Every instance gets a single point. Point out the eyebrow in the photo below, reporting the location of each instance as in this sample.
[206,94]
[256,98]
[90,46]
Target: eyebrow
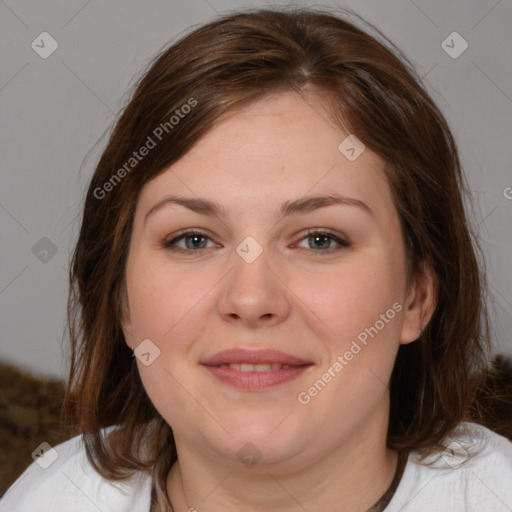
[299,206]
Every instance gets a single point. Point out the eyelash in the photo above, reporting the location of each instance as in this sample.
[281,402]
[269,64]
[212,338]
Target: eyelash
[170,244]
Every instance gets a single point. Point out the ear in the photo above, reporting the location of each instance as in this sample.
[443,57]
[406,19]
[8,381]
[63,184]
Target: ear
[420,304]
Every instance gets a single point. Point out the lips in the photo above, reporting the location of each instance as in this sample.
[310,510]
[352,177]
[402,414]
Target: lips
[254,357]
[260,367]
[255,370]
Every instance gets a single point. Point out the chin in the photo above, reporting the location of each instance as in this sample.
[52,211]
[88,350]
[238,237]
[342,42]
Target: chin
[270,440]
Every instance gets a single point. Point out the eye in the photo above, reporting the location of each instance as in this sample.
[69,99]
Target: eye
[322,239]
[194,240]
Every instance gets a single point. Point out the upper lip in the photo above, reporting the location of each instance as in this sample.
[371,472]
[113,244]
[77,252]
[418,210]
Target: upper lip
[241,355]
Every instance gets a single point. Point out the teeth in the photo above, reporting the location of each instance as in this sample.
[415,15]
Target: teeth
[262,367]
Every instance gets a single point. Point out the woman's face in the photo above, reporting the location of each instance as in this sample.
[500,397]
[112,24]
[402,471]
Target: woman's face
[254,280]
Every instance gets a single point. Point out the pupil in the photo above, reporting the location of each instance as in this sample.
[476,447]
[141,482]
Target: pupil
[195,239]
[319,237]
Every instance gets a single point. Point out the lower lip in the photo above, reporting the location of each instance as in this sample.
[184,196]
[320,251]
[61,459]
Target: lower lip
[255,381]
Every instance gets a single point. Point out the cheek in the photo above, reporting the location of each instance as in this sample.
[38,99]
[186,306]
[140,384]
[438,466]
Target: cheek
[162,297]
[353,298]
[361,306]
[165,305]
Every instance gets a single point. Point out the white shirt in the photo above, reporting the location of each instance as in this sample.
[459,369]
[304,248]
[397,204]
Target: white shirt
[473,475]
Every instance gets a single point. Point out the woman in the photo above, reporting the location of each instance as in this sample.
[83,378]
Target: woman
[276,302]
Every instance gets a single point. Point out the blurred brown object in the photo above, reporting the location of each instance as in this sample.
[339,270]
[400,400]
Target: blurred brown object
[30,412]
[493,400]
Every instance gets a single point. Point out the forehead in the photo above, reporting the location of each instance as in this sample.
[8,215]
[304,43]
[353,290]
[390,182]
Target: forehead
[278,148]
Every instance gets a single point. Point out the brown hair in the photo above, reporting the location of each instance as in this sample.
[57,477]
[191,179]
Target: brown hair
[370,89]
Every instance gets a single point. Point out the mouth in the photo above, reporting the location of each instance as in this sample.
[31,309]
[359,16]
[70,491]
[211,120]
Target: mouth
[255,370]
[262,367]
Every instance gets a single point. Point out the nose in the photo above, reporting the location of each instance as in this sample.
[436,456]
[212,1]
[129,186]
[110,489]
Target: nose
[255,294]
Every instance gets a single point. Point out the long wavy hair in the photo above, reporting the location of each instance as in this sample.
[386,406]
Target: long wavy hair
[371,90]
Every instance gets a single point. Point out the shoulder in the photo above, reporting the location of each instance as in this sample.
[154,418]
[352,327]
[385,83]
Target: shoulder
[473,473]
[62,479]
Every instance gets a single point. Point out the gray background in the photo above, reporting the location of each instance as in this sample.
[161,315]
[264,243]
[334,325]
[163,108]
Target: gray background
[55,112]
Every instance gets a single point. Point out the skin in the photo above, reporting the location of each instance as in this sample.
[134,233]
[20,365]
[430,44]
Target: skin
[191,305]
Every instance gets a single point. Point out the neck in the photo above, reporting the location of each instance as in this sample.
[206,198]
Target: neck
[352,477]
